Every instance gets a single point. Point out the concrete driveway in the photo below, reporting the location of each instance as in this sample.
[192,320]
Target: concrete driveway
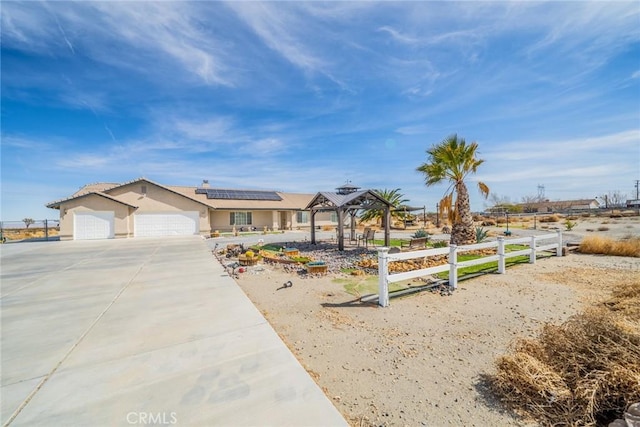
[141,332]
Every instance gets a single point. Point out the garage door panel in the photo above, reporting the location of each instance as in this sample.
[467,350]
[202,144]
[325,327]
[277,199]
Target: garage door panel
[166,224]
[93,225]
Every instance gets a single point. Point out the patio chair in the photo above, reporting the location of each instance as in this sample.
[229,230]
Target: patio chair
[367,236]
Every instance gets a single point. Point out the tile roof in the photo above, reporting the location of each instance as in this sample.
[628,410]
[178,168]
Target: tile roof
[331,200]
[57,203]
[290,201]
[95,187]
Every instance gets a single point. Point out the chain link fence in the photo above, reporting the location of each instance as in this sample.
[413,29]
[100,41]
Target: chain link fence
[29,230]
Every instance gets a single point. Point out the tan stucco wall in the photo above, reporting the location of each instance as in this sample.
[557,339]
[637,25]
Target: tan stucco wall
[322,219]
[271,219]
[220,220]
[157,199]
[94,203]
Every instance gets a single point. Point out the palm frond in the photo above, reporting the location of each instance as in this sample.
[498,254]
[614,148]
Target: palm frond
[484,189]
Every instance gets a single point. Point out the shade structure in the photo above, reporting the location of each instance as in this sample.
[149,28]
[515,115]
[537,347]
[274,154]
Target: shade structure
[348,203]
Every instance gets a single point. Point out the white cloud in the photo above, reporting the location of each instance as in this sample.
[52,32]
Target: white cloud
[575,148]
[277,26]
[413,130]
[214,129]
[397,35]
[158,32]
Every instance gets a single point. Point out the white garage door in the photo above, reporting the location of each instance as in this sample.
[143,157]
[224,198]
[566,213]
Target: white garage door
[166,224]
[93,225]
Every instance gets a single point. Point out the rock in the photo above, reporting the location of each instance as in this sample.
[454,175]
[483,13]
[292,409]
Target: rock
[632,416]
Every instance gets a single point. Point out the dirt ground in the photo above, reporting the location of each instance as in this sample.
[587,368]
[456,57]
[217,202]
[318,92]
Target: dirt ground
[424,359]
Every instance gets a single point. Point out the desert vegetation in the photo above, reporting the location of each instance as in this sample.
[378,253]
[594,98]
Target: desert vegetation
[607,246]
[585,371]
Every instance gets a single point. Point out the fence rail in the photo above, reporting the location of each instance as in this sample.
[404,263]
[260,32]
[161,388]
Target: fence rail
[453,265]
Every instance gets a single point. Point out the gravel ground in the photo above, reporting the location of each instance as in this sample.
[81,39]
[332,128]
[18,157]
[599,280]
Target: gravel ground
[424,359]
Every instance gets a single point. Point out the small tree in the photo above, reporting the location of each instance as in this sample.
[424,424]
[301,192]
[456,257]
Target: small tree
[452,161]
[614,199]
[28,222]
[395,197]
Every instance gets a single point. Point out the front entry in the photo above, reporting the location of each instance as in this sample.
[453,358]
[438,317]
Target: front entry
[283,221]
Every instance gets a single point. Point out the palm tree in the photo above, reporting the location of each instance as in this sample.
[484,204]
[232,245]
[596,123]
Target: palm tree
[395,197]
[453,160]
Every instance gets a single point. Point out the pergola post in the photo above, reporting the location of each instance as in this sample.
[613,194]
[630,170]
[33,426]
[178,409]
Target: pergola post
[313,226]
[387,226]
[352,237]
[340,229]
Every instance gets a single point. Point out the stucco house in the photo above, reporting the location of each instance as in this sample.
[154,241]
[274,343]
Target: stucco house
[144,208]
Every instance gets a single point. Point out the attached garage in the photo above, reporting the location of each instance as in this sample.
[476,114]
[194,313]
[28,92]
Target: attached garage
[166,224]
[93,225]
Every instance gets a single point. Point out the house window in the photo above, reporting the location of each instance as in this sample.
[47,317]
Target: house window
[302,217]
[334,216]
[240,218]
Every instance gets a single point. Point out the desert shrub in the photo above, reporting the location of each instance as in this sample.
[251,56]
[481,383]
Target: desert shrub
[585,215]
[501,220]
[481,234]
[420,233]
[590,229]
[603,228]
[570,225]
[440,244]
[550,218]
[488,223]
[606,246]
[625,300]
[584,372]
[572,217]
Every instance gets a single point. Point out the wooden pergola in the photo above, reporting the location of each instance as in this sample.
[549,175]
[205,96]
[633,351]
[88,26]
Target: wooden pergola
[348,200]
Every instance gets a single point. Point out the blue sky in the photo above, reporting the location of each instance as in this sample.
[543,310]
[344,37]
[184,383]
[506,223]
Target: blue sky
[301,97]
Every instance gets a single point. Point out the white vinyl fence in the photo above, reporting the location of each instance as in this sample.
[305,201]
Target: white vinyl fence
[553,242]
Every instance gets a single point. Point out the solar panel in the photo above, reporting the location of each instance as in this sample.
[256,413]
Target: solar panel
[216,193]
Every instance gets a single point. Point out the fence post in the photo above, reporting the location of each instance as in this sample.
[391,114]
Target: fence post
[46,230]
[453,266]
[383,273]
[532,255]
[501,258]
[559,249]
